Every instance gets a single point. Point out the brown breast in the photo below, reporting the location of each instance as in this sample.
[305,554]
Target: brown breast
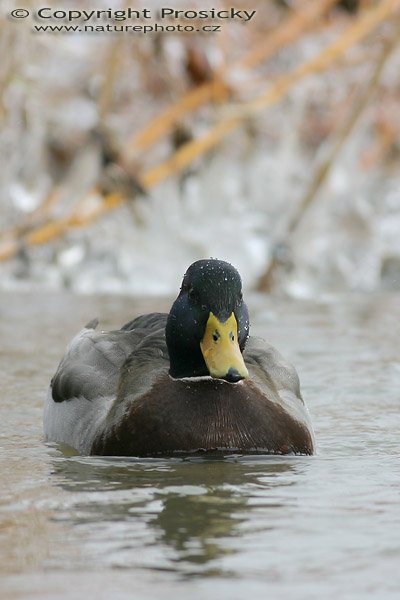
[207,415]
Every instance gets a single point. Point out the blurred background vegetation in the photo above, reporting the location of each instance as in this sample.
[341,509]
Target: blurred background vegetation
[273,144]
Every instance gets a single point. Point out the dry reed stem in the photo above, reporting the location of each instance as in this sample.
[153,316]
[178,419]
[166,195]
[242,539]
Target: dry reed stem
[113,63]
[368,21]
[386,139]
[360,104]
[286,33]
[38,214]
[78,218]
[53,229]
[112,66]
[185,155]
[163,122]
[295,25]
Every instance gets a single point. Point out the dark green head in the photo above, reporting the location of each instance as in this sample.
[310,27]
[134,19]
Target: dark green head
[208,324]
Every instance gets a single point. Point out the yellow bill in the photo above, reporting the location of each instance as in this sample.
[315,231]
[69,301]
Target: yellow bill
[221,349]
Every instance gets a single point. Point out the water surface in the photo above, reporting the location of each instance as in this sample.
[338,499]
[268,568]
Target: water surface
[326,526]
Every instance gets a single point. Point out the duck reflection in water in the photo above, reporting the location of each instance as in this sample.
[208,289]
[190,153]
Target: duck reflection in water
[191,507]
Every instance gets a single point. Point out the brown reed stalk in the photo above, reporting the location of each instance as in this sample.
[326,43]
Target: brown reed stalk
[111,69]
[192,150]
[35,216]
[288,32]
[358,109]
[186,154]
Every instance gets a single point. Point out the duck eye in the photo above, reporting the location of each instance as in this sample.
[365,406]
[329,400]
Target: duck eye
[240,296]
[192,295]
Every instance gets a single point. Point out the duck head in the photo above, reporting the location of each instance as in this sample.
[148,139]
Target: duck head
[208,325]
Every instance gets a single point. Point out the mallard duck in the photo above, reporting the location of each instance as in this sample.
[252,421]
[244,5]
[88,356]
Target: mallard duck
[190,381]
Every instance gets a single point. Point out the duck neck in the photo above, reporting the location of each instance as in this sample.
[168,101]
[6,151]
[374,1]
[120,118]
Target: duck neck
[187,366]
